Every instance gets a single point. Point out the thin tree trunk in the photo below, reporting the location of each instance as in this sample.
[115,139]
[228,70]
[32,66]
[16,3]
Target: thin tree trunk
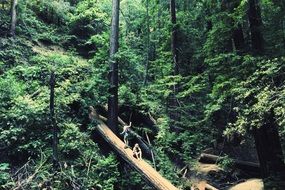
[281,4]
[152,154]
[148,43]
[173,104]
[255,22]
[174,38]
[53,122]
[13,17]
[283,32]
[158,33]
[113,77]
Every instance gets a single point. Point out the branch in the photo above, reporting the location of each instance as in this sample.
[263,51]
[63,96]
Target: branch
[31,177]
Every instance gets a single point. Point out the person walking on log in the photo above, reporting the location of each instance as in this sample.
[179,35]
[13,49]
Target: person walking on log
[126,134]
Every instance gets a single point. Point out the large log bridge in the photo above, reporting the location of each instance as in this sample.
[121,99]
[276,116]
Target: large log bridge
[146,170]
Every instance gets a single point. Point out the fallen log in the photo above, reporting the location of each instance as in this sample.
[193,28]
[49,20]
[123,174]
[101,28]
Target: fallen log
[203,185]
[149,174]
[244,165]
[210,187]
[143,144]
[139,138]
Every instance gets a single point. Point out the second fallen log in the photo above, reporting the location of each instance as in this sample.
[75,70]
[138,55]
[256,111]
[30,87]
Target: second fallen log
[244,165]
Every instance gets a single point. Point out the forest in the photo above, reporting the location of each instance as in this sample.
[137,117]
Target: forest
[142,94]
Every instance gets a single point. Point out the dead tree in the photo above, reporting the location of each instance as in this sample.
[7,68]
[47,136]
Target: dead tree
[113,75]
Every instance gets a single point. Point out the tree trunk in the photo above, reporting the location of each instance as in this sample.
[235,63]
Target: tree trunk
[269,148]
[113,75]
[53,122]
[261,148]
[283,31]
[173,104]
[13,17]
[255,22]
[238,38]
[237,32]
[148,43]
[174,38]
[244,165]
[266,137]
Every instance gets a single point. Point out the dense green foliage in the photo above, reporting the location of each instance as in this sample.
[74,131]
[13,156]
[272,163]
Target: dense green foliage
[223,91]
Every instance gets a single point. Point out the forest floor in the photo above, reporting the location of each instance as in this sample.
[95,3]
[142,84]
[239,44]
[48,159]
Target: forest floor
[214,175]
[204,174]
[250,184]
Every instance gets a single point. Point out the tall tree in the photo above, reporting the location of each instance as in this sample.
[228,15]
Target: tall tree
[148,43]
[268,146]
[237,31]
[267,140]
[13,17]
[113,75]
[173,101]
[174,39]
[255,22]
[238,38]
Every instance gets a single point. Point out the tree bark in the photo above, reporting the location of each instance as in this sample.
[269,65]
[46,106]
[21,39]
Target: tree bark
[53,122]
[113,75]
[237,32]
[238,38]
[261,148]
[255,22]
[148,43]
[13,18]
[210,158]
[173,104]
[282,26]
[267,140]
[268,146]
[174,38]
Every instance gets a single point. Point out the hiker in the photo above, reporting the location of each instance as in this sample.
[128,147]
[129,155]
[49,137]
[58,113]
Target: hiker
[137,152]
[92,113]
[126,134]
